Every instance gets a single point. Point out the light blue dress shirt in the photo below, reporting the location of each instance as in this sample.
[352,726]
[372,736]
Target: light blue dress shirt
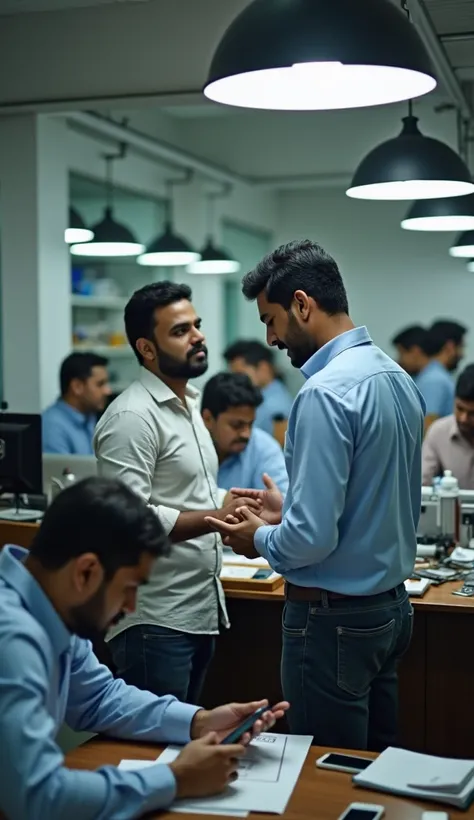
[437,388]
[66,430]
[48,676]
[353,455]
[277,401]
[262,454]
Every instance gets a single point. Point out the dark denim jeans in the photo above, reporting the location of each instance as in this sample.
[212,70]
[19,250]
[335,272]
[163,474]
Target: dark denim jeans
[163,661]
[339,667]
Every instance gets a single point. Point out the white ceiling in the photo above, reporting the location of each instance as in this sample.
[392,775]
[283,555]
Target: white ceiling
[23,6]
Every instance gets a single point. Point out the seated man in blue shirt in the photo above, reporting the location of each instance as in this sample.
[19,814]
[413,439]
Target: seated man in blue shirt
[257,361]
[345,537]
[245,453]
[69,423]
[95,547]
[444,345]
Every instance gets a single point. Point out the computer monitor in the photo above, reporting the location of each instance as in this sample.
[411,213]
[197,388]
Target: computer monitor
[21,470]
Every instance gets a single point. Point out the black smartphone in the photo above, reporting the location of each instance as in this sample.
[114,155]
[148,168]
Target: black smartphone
[262,574]
[245,726]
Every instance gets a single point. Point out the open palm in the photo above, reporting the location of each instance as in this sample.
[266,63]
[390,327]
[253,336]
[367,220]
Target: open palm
[270,498]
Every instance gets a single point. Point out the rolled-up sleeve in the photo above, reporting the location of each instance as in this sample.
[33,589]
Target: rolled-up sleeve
[127,448]
[322,444]
[34,782]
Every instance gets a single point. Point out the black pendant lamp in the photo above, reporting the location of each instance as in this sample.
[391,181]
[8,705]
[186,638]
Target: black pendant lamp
[411,166]
[447,214]
[463,247]
[77,230]
[318,55]
[214,259]
[169,249]
[111,238]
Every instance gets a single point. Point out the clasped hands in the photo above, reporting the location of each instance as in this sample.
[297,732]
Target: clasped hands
[247,511]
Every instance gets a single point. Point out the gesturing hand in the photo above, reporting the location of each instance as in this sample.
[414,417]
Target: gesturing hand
[238,530]
[271,500]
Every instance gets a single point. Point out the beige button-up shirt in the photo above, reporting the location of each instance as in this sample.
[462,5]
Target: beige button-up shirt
[444,448]
[149,440]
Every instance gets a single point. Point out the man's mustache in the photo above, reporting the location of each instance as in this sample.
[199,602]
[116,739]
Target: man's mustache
[197,349]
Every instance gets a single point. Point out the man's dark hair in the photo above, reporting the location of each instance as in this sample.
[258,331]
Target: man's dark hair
[465,384]
[102,516]
[302,265]
[139,312]
[251,351]
[452,331]
[440,333]
[78,366]
[409,337]
[226,390]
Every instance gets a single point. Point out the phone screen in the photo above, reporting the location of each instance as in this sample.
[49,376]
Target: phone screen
[349,762]
[361,814]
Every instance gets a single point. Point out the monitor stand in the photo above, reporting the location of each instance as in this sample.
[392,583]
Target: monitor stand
[20,515]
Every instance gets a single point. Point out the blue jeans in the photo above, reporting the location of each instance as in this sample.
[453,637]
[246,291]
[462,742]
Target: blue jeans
[163,661]
[339,667]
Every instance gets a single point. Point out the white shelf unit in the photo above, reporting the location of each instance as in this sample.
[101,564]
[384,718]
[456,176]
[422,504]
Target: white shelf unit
[98,302]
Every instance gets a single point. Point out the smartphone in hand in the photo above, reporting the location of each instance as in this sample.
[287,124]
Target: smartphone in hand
[245,726]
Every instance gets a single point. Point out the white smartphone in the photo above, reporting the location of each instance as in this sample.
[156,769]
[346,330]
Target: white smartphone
[343,763]
[362,811]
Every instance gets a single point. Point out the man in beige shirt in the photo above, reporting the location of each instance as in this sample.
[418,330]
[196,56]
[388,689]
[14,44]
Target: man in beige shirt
[449,443]
[152,437]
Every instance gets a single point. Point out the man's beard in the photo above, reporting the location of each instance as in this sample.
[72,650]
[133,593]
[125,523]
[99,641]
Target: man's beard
[87,620]
[177,369]
[300,346]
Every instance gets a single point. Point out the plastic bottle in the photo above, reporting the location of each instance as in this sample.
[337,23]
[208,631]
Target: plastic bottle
[448,493]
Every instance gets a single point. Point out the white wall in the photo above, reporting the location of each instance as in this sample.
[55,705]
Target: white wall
[394,277]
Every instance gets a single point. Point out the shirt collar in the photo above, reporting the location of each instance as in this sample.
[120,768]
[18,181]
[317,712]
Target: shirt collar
[16,575]
[329,351]
[160,391]
[433,366]
[75,415]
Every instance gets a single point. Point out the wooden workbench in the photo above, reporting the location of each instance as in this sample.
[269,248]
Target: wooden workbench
[436,675]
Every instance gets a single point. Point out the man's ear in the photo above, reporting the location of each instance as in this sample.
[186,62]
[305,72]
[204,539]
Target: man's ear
[302,304]
[87,574]
[207,418]
[146,349]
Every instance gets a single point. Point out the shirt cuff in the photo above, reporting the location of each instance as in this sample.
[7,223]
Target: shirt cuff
[221,494]
[260,540]
[176,724]
[160,783]
[168,516]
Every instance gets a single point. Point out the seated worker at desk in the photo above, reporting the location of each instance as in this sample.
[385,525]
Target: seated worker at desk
[257,361]
[69,423]
[228,405]
[95,547]
[409,346]
[449,443]
[444,345]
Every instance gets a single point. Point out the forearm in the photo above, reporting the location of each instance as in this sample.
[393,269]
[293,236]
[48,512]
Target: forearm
[190,525]
[293,545]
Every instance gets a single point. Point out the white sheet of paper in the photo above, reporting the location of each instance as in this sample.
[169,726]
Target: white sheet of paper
[238,572]
[229,557]
[267,777]
[133,765]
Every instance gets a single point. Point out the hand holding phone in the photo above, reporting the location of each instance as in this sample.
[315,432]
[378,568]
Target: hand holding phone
[244,727]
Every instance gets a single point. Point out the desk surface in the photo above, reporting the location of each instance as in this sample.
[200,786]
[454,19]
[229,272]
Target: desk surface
[436,599]
[319,793]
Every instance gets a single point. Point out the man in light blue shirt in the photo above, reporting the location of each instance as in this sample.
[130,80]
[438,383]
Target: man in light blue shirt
[96,545]
[69,423]
[257,361]
[245,453]
[347,538]
[444,345]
